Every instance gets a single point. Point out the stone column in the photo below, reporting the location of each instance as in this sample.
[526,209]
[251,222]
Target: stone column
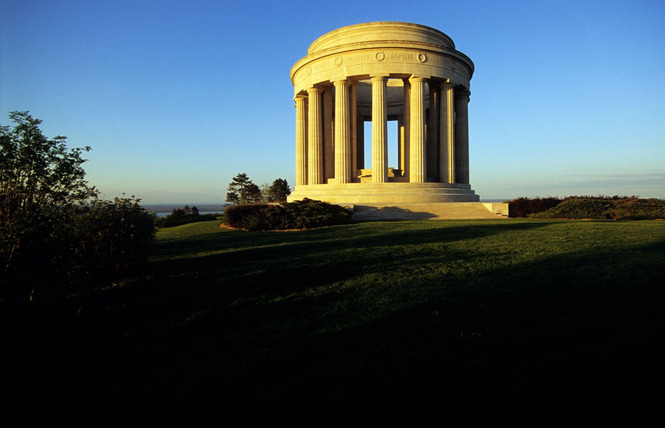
[328,138]
[405,130]
[447,140]
[301,140]
[417,134]
[462,136]
[342,133]
[354,130]
[432,133]
[314,149]
[379,130]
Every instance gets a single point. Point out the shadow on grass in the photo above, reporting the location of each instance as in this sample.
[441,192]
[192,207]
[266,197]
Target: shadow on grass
[340,237]
[316,329]
[274,264]
[538,347]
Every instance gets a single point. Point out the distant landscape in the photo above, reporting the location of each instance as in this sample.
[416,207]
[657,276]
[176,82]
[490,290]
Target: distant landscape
[168,208]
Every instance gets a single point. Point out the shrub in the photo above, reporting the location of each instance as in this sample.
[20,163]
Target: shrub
[83,246]
[309,213]
[522,207]
[606,207]
[106,239]
[577,208]
[303,214]
[638,209]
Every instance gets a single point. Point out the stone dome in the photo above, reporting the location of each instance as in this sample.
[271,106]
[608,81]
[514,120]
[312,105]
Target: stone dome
[381,34]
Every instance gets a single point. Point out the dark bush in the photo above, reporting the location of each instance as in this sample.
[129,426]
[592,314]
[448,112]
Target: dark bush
[105,240]
[577,208]
[606,207]
[309,213]
[638,209]
[303,214]
[83,247]
[522,207]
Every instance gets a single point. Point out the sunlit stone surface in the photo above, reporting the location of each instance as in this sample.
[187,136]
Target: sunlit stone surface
[387,71]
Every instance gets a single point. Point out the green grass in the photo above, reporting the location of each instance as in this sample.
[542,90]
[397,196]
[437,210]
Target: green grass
[432,320]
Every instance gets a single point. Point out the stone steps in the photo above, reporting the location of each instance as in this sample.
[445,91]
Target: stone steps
[431,211]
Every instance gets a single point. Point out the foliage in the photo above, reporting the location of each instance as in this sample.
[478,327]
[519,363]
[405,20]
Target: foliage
[522,207]
[242,190]
[303,214]
[106,239]
[577,208]
[54,231]
[277,191]
[38,176]
[605,207]
[183,216]
[591,207]
[307,213]
[638,209]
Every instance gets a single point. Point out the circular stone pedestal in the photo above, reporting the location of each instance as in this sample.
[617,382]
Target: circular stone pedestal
[394,193]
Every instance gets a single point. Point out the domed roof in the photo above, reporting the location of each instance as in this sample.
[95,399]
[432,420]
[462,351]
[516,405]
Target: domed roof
[384,33]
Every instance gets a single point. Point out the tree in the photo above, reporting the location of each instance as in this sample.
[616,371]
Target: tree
[242,190]
[37,175]
[277,192]
[50,218]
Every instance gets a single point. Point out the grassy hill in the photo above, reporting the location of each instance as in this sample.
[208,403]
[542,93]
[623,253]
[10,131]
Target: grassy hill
[432,321]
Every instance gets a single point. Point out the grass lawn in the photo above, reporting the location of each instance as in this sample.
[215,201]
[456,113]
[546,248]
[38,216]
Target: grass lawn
[511,320]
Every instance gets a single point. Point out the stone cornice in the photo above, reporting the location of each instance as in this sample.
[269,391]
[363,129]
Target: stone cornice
[394,49]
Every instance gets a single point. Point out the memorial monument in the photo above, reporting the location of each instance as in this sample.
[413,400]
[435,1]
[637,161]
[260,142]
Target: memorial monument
[379,72]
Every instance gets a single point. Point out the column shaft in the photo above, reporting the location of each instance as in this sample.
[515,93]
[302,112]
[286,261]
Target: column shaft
[447,142]
[379,130]
[301,140]
[432,133]
[354,131]
[462,137]
[417,134]
[342,133]
[405,130]
[328,135]
[314,143]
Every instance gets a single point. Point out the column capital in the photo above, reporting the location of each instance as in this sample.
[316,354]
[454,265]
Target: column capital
[463,93]
[447,84]
[314,90]
[300,98]
[417,79]
[379,78]
[343,82]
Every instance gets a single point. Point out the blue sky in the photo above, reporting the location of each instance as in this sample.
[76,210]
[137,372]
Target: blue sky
[177,97]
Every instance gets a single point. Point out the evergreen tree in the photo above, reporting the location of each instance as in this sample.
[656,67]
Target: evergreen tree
[242,190]
[277,192]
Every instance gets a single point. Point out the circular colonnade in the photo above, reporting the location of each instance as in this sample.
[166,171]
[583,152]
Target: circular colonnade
[380,72]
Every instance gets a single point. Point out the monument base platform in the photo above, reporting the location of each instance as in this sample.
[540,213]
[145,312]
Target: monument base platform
[385,193]
[404,201]
[430,211]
